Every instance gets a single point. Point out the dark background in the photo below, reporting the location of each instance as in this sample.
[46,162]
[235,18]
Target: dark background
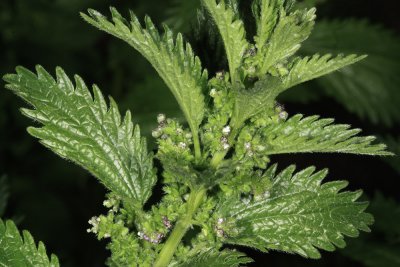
[54,199]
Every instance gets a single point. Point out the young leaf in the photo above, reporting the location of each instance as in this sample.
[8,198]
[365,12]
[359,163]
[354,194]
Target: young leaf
[253,101]
[87,131]
[297,215]
[232,32]
[290,31]
[369,88]
[17,250]
[310,134]
[266,13]
[210,257]
[173,60]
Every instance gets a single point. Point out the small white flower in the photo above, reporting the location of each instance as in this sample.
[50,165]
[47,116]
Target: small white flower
[213,92]
[226,130]
[220,220]
[225,146]
[182,145]
[161,118]
[156,133]
[247,145]
[283,115]
[220,233]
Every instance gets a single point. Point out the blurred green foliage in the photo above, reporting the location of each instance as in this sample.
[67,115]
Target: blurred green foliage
[56,199]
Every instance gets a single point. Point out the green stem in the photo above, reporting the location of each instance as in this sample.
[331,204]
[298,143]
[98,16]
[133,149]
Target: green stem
[167,252]
[219,156]
[196,143]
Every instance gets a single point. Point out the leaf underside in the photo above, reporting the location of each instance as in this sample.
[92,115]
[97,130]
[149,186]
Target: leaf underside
[86,131]
[299,215]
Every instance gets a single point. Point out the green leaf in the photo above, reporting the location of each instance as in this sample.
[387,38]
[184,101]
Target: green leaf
[301,134]
[18,250]
[266,13]
[4,194]
[232,32]
[249,103]
[285,40]
[309,68]
[369,88]
[173,60]
[210,257]
[87,131]
[297,215]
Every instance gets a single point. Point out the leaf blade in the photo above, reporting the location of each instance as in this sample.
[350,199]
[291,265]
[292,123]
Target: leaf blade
[173,60]
[297,216]
[21,250]
[85,130]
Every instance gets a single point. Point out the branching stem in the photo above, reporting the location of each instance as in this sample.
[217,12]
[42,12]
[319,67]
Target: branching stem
[167,252]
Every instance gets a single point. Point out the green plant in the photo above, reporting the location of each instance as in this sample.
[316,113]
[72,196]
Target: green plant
[219,184]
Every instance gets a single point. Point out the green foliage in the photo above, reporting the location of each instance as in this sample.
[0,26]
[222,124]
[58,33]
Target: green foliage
[282,36]
[297,214]
[225,258]
[217,186]
[85,130]
[232,32]
[369,88]
[173,60]
[21,251]
[300,134]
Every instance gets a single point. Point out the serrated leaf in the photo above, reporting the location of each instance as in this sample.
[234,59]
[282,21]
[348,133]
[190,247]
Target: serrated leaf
[308,68]
[18,250]
[232,32]
[285,40]
[369,88]
[266,13]
[86,131]
[301,134]
[211,257]
[298,215]
[174,60]
[263,94]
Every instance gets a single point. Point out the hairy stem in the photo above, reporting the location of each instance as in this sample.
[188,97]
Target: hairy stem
[196,143]
[167,252]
